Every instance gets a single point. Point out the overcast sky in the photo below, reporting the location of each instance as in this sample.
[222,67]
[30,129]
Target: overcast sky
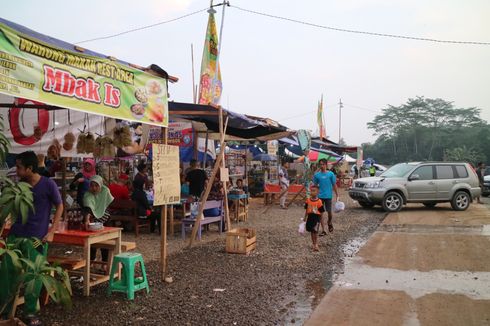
[279,69]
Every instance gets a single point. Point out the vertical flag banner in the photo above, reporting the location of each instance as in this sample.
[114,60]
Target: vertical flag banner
[210,85]
[321,125]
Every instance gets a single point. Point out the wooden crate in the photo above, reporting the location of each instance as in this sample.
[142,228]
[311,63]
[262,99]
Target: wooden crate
[240,241]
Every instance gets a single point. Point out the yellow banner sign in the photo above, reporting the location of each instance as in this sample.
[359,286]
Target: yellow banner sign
[35,70]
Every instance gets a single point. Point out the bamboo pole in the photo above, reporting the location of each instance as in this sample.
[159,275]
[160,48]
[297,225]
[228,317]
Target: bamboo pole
[223,165]
[63,187]
[205,158]
[204,198]
[296,195]
[194,91]
[163,226]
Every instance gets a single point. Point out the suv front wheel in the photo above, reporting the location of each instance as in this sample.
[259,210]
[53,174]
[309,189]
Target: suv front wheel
[392,202]
[460,201]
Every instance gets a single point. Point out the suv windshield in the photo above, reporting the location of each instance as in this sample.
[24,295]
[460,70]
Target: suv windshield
[397,171]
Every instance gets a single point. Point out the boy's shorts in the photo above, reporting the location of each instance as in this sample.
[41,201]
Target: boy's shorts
[327,204]
[312,223]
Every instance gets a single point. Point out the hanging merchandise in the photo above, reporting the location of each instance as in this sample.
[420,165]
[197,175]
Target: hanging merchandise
[38,132]
[69,141]
[89,143]
[104,147]
[69,137]
[108,149]
[54,150]
[82,137]
[122,136]
[81,143]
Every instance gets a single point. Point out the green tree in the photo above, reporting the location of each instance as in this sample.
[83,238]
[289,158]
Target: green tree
[463,154]
[424,129]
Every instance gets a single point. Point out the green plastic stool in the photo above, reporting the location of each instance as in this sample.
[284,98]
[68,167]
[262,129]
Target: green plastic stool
[127,282]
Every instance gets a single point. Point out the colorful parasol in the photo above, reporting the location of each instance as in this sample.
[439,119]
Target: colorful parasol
[315,156]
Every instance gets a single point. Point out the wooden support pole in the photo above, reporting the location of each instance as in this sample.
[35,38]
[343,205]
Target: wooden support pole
[205,158]
[223,165]
[163,226]
[195,149]
[63,186]
[204,198]
[295,196]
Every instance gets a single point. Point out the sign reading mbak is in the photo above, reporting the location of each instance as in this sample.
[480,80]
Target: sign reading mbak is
[32,69]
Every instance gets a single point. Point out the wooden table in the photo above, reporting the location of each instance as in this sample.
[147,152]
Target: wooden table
[241,206]
[85,239]
[270,190]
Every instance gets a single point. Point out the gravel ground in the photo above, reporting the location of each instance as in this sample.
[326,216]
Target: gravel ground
[279,283]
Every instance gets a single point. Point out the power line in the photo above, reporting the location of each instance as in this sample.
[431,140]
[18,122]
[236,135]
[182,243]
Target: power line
[360,108]
[305,113]
[360,32]
[297,116]
[142,27]
[289,20]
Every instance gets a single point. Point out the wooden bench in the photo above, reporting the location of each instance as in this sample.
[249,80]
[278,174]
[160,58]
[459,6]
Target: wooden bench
[110,244]
[68,263]
[188,222]
[126,211]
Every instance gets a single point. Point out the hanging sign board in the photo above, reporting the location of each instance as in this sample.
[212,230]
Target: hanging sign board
[166,180]
[272,147]
[35,70]
[224,175]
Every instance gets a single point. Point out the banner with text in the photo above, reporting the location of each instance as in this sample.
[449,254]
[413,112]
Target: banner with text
[38,71]
[166,176]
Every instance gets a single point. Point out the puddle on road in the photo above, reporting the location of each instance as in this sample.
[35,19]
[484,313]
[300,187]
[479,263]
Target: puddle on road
[352,247]
[300,307]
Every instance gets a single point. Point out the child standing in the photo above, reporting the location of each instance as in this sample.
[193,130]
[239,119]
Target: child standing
[313,214]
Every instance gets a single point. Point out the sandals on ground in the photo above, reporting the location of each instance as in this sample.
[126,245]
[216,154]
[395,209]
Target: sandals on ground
[330,228]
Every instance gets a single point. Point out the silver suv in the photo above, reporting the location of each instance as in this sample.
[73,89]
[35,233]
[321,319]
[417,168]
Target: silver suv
[426,183]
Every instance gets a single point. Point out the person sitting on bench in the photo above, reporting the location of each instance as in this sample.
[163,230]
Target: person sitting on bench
[143,207]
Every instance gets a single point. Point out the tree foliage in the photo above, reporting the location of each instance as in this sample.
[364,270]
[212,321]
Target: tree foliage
[428,129]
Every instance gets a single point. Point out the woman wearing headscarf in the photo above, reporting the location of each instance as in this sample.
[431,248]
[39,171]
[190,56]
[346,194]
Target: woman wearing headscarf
[82,180]
[95,203]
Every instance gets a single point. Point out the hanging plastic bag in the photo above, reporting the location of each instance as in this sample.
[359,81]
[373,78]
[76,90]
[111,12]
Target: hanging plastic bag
[338,207]
[302,228]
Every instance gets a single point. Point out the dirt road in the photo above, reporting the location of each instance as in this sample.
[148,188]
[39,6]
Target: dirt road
[421,267]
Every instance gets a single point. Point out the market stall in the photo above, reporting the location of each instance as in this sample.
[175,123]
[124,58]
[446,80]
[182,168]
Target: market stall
[53,82]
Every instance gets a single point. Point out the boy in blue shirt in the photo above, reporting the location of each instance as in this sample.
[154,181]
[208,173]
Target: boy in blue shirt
[326,182]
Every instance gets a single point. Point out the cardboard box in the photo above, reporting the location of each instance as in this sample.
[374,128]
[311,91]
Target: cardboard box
[240,241]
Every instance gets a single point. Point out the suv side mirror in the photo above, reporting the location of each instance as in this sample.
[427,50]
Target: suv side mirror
[414,177]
